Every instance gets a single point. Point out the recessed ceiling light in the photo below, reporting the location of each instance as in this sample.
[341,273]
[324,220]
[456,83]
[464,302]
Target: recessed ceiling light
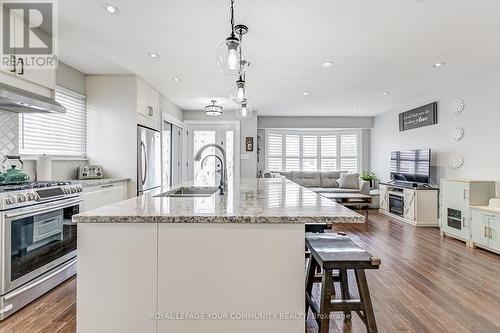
[439,64]
[154,55]
[355,109]
[111,9]
[306,93]
[176,79]
[385,93]
[327,64]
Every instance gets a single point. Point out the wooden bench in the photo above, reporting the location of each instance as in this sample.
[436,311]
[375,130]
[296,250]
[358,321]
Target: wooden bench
[334,252]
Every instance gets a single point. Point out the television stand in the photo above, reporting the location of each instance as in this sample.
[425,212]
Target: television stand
[414,205]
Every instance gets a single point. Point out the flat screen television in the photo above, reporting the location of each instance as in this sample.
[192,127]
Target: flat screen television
[412,166]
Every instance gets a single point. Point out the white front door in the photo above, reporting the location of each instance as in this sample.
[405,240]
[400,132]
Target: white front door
[209,172]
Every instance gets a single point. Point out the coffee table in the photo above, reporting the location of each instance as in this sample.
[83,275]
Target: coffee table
[351,200]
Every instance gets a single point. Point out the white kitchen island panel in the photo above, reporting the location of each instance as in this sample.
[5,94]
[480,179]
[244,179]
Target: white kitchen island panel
[231,271]
[117,278]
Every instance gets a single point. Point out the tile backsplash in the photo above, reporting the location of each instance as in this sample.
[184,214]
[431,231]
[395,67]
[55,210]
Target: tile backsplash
[9,145]
[9,132]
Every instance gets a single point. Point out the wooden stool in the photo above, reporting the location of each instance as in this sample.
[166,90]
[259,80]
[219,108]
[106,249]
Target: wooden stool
[336,252]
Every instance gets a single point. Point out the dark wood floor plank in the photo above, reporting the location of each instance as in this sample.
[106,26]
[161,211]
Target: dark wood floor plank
[426,283]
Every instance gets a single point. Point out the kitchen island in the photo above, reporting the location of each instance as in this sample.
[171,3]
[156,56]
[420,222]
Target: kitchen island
[215,263]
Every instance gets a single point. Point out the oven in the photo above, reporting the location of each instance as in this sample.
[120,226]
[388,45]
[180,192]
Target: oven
[35,240]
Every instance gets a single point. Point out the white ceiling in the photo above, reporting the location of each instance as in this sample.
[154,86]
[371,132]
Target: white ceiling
[376,46]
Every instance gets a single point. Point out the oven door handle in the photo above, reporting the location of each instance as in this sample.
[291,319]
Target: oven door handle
[31,286]
[43,210]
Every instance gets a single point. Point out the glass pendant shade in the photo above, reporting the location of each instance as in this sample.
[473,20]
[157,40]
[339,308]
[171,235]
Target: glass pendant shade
[240,92]
[231,57]
[213,110]
[244,111]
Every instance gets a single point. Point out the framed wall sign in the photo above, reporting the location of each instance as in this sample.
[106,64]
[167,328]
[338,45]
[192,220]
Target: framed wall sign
[423,116]
[249,143]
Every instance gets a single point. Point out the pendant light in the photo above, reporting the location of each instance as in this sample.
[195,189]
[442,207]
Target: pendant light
[213,109]
[231,56]
[240,92]
[244,110]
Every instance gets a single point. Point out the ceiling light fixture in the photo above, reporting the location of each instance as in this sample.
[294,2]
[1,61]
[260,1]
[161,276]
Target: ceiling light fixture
[306,93]
[439,64]
[244,110]
[327,64]
[213,109]
[154,55]
[111,9]
[231,56]
[385,93]
[176,79]
[240,92]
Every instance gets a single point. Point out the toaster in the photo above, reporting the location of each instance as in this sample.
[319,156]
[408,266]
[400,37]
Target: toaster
[89,172]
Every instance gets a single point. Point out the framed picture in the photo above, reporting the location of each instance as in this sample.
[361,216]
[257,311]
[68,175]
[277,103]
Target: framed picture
[423,116]
[249,143]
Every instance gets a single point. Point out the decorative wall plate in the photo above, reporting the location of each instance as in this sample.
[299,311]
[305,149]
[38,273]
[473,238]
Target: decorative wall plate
[456,133]
[457,106]
[456,160]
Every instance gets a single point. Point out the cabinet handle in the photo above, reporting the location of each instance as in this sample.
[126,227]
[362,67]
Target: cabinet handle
[486,231]
[490,233]
[465,194]
[22,66]
[463,221]
[108,185]
[13,57]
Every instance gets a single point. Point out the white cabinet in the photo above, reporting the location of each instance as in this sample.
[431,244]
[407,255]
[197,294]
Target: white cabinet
[409,204]
[148,105]
[456,198]
[485,229]
[384,198]
[98,196]
[420,206]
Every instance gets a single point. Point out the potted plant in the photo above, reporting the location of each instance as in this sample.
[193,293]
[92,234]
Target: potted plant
[369,176]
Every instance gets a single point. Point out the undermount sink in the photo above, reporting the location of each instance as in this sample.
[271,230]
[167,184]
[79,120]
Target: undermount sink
[191,191]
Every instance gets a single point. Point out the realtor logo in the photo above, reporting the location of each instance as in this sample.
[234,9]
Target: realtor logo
[28,33]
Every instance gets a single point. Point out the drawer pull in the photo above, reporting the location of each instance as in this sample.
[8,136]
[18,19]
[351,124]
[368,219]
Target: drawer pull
[108,185]
[485,232]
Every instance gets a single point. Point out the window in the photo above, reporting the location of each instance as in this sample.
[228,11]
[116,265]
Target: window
[311,151]
[55,134]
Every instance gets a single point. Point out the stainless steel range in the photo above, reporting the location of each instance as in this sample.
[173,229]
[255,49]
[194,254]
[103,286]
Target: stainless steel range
[37,240]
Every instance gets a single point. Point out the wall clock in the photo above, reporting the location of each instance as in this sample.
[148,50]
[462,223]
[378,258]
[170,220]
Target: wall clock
[457,106]
[456,133]
[456,160]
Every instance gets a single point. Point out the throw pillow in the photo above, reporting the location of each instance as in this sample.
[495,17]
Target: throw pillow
[349,180]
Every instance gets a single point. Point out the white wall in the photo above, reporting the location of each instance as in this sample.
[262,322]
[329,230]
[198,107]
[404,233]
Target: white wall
[248,128]
[70,78]
[480,120]
[171,112]
[314,122]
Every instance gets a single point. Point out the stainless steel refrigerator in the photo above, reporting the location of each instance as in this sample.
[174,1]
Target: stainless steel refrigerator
[148,160]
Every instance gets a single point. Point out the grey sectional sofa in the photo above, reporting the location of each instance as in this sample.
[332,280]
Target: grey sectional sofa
[321,181]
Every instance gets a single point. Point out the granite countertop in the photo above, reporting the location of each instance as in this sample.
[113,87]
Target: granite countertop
[252,200]
[99,182]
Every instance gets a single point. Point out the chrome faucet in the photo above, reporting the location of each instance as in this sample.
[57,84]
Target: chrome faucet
[197,158]
[221,184]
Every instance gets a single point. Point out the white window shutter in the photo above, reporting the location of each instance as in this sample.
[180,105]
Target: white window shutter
[55,134]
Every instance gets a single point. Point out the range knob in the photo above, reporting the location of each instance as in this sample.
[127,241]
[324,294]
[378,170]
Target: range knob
[21,197]
[79,189]
[72,190]
[32,196]
[66,190]
[10,200]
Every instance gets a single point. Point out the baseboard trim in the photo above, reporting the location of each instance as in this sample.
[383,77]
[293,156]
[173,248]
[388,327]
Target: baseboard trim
[413,223]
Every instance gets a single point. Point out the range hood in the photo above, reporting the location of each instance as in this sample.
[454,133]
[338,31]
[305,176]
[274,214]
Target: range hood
[17,100]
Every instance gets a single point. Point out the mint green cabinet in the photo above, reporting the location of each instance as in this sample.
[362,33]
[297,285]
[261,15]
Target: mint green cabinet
[485,229]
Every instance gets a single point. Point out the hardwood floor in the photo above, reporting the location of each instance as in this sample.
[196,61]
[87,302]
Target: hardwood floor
[425,284]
